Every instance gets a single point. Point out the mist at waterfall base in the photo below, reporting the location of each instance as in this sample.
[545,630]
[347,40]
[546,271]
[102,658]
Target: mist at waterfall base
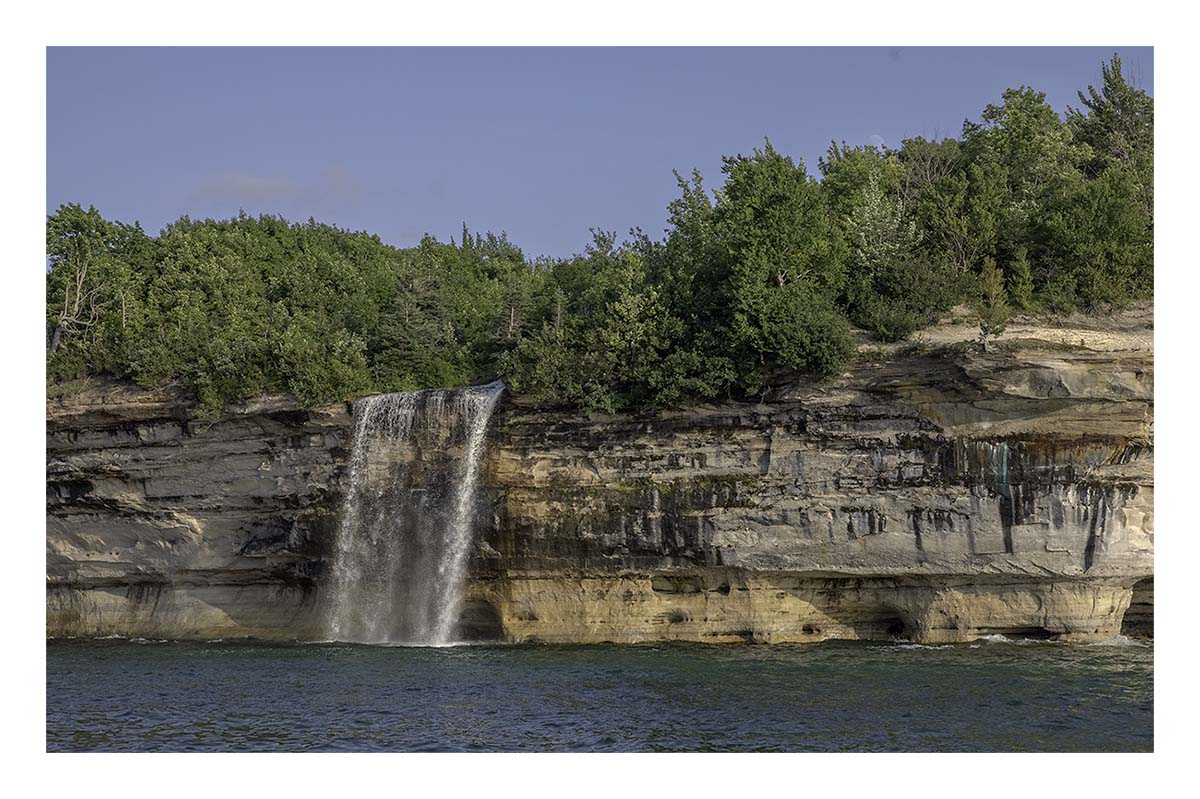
[995,695]
[407,520]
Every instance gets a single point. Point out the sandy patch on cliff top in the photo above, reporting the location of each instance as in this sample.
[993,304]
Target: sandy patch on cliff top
[1131,329]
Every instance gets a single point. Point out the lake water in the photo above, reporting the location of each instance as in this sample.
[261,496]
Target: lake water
[836,696]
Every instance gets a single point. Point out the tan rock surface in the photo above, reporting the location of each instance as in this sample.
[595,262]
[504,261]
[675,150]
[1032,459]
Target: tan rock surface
[935,494]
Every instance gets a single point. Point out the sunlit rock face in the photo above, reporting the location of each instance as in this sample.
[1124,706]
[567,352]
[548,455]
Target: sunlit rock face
[932,497]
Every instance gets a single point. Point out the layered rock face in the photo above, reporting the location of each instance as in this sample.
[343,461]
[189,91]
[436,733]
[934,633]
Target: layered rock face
[163,525]
[933,497]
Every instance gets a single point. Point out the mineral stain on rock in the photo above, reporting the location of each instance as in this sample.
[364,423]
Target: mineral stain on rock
[933,498]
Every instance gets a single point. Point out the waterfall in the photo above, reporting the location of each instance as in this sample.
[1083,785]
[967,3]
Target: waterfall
[405,535]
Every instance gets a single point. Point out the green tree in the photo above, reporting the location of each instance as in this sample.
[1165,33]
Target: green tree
[691,274]
[94,284]
[991,306]
[785,264]
[924,165]
[1117,122]
[890,290]
[1020,280]
[600,348]
[1024,145]
[846,173]
[1035,151]
[1103,248]
[544,367]
[960,218]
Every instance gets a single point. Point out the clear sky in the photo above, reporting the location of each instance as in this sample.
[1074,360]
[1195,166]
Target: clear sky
[541,143]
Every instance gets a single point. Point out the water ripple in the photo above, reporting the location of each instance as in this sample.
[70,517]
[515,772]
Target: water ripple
[838,696]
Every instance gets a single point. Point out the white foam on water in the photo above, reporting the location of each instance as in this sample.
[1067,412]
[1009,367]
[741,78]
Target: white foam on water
[1123,640]
[1003,639]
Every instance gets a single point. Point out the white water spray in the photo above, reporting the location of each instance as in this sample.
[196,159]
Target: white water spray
[405,536]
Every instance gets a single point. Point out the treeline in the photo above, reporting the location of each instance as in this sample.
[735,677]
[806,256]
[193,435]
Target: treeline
[1027,210]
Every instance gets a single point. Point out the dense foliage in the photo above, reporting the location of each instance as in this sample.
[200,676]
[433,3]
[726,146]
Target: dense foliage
[1028,210]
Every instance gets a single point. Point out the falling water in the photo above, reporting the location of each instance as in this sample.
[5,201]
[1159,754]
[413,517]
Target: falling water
[405,535]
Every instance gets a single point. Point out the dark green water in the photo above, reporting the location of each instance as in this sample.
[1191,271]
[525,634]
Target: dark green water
[837,696]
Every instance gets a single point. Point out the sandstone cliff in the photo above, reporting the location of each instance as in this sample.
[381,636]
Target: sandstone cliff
[936,494]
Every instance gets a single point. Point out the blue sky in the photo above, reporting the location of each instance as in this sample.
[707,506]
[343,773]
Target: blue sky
[542,142]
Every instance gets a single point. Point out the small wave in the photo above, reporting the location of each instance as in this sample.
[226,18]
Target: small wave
[1122,640]
[444,645]
[923,646]
[997,638]
[410,644]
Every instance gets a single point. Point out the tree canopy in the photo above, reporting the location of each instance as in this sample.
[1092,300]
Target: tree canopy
[764,276]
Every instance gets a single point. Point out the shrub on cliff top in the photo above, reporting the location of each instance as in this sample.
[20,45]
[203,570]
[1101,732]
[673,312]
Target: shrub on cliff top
[761,276]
